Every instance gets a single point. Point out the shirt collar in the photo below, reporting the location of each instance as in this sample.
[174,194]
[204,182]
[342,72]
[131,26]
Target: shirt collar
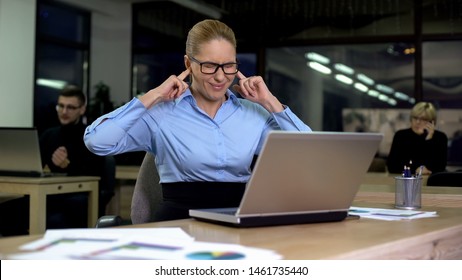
[187,95]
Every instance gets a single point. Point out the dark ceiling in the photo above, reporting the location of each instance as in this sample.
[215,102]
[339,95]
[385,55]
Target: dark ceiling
[267,22]
[281,20]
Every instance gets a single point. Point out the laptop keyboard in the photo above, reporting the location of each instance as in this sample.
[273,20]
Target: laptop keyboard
[231,212]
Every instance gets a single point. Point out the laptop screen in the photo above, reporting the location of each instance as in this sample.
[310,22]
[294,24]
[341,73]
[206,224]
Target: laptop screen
[308,171]
[19,150]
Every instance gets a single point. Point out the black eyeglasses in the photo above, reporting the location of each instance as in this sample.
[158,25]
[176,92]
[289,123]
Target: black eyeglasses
[61,107]
[212,68]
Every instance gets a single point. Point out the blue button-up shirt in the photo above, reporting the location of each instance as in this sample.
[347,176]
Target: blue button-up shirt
[189,145]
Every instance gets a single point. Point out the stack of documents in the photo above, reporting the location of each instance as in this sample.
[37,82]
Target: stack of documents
[134,244]
[390,214]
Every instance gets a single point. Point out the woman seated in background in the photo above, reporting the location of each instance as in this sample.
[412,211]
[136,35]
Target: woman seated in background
[419,145]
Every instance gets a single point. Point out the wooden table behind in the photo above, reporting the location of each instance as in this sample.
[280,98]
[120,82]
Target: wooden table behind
[123,172]
[385,178]
[431,196]
[39,188]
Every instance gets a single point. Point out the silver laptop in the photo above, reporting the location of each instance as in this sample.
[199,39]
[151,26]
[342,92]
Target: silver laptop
[20,153]
[301,177]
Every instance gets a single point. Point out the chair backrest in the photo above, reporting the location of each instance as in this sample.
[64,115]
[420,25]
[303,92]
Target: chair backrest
[147,194]
[450,179]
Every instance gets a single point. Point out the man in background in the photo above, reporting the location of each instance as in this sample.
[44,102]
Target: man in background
[63,151]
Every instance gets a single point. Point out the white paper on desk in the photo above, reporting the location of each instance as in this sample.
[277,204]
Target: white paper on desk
[220,251]
[390,214]
[142,247]
[62,239]
[163,249]
[137,248]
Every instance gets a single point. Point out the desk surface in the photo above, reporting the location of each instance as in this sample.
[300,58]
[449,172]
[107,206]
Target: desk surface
[431,238]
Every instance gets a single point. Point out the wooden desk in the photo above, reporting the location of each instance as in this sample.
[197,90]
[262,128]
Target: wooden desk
[430,238]
[123,172]
[39,188]
[433,238]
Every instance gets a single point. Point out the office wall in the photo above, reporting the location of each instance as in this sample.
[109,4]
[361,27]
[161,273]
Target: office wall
[110,58]
[111,53]
[17,51]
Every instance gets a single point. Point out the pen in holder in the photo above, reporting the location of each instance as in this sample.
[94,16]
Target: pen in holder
[408,192]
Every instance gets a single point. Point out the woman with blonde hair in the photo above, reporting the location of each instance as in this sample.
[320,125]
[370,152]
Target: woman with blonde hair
[419,145]
[203,136]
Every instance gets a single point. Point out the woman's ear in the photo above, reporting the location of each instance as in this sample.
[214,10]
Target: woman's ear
[187,62]
[187,65]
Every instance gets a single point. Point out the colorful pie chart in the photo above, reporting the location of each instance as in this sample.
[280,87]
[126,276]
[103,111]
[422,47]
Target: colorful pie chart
[216,255]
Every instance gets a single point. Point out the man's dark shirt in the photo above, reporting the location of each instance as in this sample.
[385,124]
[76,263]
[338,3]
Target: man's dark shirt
[69,210]
[82,161]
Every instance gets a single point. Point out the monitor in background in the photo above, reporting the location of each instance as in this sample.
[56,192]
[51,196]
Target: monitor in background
[20,153]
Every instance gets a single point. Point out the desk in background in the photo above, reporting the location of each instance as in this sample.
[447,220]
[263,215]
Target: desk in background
[123,172]
[385,178]
[39,188]
[432,196]
[127,172]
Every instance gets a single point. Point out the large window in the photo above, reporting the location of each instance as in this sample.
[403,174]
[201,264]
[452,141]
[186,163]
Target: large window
[442,77]
[318,82]
[328,60]
[62,50]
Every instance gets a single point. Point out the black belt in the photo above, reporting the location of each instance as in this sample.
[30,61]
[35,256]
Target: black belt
[203,194]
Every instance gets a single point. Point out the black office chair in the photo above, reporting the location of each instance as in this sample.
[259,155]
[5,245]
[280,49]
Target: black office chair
[449,179]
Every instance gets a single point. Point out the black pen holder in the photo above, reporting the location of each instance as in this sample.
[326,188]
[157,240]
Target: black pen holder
[408,193]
